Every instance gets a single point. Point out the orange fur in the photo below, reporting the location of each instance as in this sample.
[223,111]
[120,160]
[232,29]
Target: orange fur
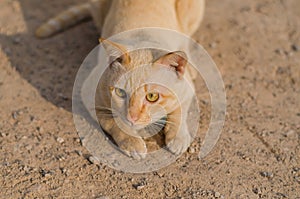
[64,20]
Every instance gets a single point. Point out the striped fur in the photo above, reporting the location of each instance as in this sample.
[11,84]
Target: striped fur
[64,20]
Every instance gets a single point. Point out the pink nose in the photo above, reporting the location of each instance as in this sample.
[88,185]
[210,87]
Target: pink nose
[132,118]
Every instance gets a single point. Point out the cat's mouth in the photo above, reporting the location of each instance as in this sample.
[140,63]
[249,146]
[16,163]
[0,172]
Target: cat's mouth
[141,128]
[137,125]
[146,125]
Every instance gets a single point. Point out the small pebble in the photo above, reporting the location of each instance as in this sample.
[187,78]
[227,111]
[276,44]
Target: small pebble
[266,174]
[289,133]
[60,140]
[60,157]
[139,187]
[290,54]
[160,174]
[45,173]
[295,47]
[78,152]
[191,150]
[28,147]
[116,163]
[26,168]
[255,190]
[213,44]
[63,170]
[40,129]
[279,51]
[35,169]
[93,160]
[32,118]
[217,194]
[15,115]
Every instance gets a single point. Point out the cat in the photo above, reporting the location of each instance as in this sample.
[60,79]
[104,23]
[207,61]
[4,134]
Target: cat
[125,108]
[128,103]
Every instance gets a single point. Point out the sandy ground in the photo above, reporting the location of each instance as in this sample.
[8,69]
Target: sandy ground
[256,45]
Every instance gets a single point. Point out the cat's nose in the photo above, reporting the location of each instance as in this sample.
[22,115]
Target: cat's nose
[132,118]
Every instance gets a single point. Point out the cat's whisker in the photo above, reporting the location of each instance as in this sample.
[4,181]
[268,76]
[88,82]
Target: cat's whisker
[156,128]
[174,115]
[158,124]
[153,129]
[162,122]
[168,122]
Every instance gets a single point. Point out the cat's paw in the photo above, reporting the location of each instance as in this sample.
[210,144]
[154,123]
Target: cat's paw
[179,143]
[133,147]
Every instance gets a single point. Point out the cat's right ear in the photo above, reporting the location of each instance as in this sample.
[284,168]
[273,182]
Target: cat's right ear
[176,60]
[115,51]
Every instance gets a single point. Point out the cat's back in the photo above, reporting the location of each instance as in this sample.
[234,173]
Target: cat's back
[180,15]
[131,14]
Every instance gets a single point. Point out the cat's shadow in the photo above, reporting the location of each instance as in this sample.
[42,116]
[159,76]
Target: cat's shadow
[50,65]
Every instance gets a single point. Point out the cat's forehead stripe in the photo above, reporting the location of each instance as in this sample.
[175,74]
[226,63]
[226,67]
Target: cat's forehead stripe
[165,95]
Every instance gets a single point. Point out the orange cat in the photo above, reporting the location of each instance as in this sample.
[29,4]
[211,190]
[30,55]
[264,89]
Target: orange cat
[125,108]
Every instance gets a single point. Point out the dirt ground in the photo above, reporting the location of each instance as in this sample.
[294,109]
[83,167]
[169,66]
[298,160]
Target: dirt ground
[256,45]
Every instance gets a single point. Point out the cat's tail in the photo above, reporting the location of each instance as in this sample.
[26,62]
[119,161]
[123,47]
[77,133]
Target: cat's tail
[64,20]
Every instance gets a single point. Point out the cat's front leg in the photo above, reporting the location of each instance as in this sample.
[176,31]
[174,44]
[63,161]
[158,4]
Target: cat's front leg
[177,136]
[134,147]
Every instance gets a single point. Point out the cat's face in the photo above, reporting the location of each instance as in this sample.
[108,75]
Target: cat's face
[136,99]
[146,105]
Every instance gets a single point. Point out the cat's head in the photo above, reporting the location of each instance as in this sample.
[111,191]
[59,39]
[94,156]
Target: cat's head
[138,98]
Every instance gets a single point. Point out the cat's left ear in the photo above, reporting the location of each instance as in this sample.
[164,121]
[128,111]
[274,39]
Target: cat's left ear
[115,51]
[177,60]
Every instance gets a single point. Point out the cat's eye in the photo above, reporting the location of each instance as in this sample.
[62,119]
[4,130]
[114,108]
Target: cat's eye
[120,92]
[119,59]
[152,97]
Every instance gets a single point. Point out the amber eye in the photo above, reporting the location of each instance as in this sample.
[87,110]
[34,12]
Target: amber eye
[152,97]
[120,92]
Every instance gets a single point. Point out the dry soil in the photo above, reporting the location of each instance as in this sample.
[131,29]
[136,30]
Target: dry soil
[256,45]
